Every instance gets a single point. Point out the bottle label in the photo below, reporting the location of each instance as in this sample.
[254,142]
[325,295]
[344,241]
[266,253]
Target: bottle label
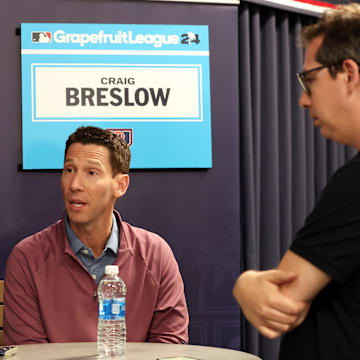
[112,309]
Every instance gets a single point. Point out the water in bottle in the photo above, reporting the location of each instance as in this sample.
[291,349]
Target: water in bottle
[111,339]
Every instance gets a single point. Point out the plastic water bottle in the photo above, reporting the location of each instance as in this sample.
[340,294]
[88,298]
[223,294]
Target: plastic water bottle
[111,340]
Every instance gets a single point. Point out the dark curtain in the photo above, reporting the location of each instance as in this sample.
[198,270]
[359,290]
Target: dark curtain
[284,161]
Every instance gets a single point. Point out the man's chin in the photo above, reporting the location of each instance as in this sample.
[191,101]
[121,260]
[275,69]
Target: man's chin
[331,135]
[76,219]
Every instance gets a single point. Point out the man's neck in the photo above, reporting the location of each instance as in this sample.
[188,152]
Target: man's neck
[94,236]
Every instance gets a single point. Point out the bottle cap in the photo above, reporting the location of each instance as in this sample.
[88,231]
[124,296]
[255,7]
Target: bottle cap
[111,269]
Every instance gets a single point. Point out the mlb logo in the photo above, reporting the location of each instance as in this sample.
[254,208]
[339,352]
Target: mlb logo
[126,134]
[41,37]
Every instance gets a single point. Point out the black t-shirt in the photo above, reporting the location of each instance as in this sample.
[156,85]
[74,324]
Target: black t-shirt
[330,240]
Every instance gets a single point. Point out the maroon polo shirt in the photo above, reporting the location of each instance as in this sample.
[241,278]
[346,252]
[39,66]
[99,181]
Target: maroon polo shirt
[49,295]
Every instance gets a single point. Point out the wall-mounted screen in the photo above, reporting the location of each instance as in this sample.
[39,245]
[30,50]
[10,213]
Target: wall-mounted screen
[148,83]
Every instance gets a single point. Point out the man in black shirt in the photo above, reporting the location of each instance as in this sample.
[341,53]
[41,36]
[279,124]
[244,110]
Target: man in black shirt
[314,294]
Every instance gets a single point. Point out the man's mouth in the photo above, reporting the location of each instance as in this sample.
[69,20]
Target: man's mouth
[316,121]
[77,203]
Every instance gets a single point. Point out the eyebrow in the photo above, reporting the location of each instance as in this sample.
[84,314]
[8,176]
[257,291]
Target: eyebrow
[89,161]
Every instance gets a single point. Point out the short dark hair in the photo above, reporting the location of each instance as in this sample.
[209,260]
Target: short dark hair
[119,149]
[341,31]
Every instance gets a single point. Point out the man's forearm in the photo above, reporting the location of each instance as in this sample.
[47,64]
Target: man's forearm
[309,281]
[264,305]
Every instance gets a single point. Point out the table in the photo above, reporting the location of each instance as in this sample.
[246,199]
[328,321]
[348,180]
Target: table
[134,351]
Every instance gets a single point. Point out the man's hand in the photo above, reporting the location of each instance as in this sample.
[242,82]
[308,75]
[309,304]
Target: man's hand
[264,305]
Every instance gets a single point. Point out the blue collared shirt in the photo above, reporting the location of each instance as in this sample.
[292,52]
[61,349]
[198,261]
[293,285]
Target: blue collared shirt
[95,267]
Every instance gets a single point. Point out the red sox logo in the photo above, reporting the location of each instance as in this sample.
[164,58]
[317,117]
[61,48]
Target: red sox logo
[126,134]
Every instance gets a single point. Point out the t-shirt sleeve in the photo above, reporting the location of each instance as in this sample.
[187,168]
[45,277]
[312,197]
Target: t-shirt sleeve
[330,238]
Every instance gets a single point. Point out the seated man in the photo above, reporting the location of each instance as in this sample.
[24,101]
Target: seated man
[51,277]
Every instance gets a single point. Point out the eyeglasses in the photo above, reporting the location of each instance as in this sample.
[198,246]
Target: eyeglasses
[304,81]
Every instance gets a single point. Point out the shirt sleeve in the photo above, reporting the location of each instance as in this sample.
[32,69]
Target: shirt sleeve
[22,318]
[330,238]
[170,320]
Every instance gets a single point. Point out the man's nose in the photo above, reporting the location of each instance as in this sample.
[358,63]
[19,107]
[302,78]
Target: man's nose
[76,182]
[304,100]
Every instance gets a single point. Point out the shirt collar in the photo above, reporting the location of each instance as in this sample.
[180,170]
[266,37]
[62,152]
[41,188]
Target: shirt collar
[76,244]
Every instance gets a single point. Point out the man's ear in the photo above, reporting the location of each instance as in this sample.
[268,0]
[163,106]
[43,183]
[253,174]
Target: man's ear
[121,184]
[351,69]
